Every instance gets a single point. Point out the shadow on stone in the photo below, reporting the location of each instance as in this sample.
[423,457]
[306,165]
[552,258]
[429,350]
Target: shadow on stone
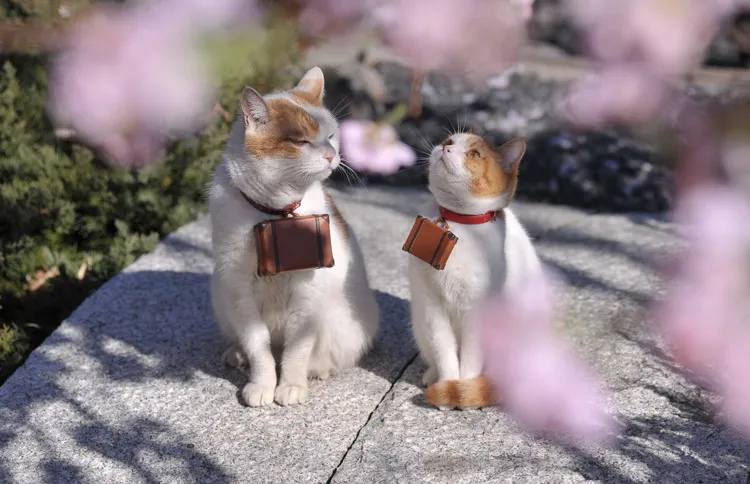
[395,341]
[146,326]
[177,333]
[710,458]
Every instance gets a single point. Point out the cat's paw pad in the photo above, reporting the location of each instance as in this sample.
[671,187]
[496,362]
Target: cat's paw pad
[234,357]
[257,395]
[287,394]
[430,376]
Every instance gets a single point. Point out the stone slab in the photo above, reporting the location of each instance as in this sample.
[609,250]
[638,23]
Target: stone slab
[669,434]
[129,389]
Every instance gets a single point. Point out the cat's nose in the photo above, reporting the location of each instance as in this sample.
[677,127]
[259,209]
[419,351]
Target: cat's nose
[329,152]
[447,149]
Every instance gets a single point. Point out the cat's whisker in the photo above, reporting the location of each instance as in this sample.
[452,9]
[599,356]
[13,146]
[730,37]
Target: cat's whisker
[338,104]
[425,143]
[350,172]
[422,152]
[421,163]
[347,173]
[466,121]
[337,111]
[451,123]
[411,168]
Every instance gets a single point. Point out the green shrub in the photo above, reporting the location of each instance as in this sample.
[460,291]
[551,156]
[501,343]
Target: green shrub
[62,207]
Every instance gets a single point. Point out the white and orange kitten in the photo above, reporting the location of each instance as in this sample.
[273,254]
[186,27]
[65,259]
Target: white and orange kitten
[467,176]
[317,322]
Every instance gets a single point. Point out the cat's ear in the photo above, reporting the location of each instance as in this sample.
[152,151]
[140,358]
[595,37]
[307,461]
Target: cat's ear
[254,108]
[312,86]
[511,153]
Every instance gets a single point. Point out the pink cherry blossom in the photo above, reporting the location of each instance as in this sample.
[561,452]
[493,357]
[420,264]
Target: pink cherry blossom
[374,147]
[667,35]
[477,37]
[638,46]
[619,94]
[704,318]
[527,8]
[319,17]
[733,386]
[542,383]
[710,282]
[130,77]
[464,36]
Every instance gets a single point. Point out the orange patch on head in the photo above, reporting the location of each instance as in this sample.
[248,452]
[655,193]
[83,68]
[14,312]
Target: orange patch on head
[287,124]
[488,180]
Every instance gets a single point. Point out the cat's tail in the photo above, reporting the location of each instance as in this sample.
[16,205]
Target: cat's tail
[472,393]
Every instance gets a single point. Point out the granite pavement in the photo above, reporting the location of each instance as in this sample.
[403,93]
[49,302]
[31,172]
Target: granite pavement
[130,388]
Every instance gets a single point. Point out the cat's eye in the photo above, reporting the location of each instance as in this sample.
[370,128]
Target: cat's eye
[473,154]
[299,142]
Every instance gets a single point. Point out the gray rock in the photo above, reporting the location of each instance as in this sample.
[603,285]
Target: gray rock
[129,389]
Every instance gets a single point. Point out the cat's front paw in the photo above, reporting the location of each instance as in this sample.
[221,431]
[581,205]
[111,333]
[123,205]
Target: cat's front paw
[287,394]
[257,395]
[430,376]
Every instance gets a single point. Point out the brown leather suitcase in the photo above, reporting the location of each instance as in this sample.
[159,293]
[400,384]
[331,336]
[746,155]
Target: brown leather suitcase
[430,242]
[293,244]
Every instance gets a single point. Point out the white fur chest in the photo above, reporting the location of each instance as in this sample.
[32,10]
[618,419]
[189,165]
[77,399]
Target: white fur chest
[476,263]
[235,252]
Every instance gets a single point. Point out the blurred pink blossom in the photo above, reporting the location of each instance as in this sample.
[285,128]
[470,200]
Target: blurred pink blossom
[527,8]
[463,36]
[374,147]
[617,95]
[541,381]
[704,318]
[668,36]
[478,37]
[700,156]
[733,387]
[130,77]
[319,17]
[638,46]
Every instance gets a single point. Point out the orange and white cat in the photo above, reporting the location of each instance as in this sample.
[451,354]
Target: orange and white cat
[281,148]
[473,184]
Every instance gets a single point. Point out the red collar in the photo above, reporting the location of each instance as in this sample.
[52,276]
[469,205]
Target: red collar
[283,212]
[470,219]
